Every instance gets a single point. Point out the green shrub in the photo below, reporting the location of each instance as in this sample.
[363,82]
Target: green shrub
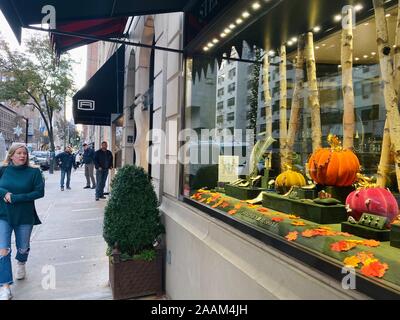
[131,218]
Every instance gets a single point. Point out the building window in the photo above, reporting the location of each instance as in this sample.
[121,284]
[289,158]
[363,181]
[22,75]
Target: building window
[231,87]
[236,113]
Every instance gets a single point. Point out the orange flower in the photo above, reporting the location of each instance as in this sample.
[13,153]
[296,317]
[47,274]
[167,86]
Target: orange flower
[277,219]
[291,236]
[262,210]
[217,204]
[238,206]
[365,256]
[352,261]
[225,204]
[232,212]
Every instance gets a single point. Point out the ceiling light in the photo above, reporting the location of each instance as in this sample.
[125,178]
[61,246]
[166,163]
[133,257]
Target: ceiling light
[271,53]
[245,14]
[339,66]
[337,18]
[387,15]
[316,47]
[373,53]
[290,43]
[358,7]
[365,56]
[294,39]
[256,6]
[239,21]
[317,29]
[357,59]
[366,24]
[215,40]
[227,30]
[324,44]
[232,26]
[210,45]
[223,35]
[205,48]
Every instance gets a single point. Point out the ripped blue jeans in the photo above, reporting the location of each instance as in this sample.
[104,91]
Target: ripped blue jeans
[22,241]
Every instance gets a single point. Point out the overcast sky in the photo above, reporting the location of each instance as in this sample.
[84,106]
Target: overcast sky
[79,55]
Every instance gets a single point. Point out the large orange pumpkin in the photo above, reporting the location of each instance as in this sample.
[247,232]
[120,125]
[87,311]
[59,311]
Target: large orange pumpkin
[334,166]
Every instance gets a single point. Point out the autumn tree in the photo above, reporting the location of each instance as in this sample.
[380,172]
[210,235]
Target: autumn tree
[36,79]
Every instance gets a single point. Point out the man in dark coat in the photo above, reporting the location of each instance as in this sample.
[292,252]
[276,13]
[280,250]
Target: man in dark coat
[88,161]
[103,161]
[66,161]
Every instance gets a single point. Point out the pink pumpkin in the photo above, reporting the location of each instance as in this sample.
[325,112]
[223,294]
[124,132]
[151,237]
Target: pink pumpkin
[378,201]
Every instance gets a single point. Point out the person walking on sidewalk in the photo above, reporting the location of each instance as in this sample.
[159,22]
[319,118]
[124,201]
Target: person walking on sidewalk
[88,161]
[20,185]
[103,161]
[67,161]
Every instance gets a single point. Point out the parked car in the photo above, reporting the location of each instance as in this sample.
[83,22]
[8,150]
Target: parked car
[42,159]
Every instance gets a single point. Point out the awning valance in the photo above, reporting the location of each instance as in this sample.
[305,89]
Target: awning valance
[22,13]
[110,28]
[103,93]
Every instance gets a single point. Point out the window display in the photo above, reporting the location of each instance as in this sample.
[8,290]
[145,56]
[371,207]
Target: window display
[314,133]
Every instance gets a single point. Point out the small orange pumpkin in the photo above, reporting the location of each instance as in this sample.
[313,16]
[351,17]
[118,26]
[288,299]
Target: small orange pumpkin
[334,166]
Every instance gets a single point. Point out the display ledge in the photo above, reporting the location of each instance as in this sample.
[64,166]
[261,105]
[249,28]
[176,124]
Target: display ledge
[271,227]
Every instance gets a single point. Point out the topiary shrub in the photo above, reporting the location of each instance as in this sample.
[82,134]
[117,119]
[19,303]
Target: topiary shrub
[131,218]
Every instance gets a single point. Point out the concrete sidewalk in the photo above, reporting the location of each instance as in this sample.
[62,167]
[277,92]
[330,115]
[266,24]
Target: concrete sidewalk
[68,244]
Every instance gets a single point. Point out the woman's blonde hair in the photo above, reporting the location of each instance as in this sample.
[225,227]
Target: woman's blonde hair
[14,147]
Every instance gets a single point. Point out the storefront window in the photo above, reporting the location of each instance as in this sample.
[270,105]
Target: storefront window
[264,170]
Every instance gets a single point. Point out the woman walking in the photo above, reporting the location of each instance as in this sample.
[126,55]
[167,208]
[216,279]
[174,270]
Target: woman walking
[20,186]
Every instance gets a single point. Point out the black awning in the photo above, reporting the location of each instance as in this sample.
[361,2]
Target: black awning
[103,93]
[22,13]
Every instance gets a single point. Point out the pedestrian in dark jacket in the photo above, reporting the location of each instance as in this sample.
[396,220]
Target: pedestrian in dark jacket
[20,186]
[66,161]
[88,161]
[103,161]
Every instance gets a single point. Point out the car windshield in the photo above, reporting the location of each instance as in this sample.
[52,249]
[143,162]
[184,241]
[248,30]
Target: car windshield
[42,154]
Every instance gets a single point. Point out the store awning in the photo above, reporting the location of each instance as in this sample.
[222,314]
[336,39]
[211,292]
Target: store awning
[109,28]
[22,13]
[103,94]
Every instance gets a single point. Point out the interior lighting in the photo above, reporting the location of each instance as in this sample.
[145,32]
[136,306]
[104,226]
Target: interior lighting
[256,6]
[215,40]
[245,14]
[358,7]
[317,29]
[232,26]
[239,21]
[337,18]
[223,35]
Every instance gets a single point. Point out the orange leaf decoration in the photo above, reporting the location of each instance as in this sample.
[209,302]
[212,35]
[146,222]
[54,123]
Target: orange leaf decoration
[352,261]
[262,209]
[277,219]
[291,236]
[232,212]
[202,200]
[217,204]
[238,206]
[298,223]
[375,269]
[252,206]
[225,204]
[292,216]
[342,246]
[308,233]
[371,243]
[365,256]
[344,234]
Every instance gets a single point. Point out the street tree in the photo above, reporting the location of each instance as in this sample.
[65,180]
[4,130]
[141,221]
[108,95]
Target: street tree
[36,79]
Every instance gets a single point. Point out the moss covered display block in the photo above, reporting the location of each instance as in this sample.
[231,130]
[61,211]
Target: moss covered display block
[366,232]
[395,236]
[306,209]
[339,193]
[242,193]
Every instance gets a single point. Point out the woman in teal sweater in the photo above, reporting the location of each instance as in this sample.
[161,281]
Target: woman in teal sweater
[20,186]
